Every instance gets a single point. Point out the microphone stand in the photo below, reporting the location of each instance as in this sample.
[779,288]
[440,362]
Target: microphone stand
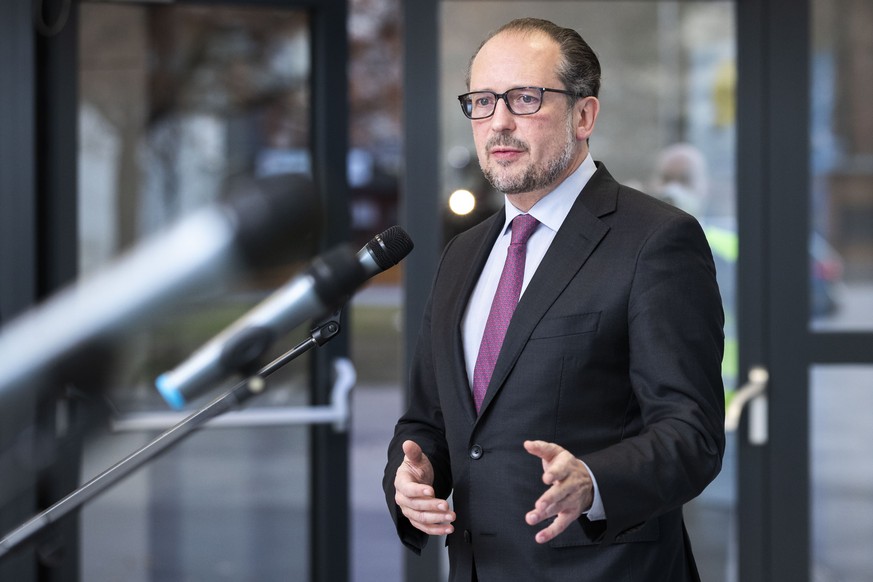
[233,398]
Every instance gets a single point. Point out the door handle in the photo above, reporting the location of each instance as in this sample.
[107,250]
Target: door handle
[753,393]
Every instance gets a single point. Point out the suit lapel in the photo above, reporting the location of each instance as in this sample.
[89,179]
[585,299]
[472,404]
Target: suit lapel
[574,242]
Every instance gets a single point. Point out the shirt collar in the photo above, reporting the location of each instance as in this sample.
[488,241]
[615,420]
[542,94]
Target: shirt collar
[553,208]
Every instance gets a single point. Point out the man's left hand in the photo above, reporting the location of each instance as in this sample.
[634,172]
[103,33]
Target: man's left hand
[570,493]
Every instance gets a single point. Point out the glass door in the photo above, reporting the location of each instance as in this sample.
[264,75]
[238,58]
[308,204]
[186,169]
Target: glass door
[182,106]
[841,290]
[805,498]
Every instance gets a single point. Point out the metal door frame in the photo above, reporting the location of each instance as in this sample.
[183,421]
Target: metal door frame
[774,112]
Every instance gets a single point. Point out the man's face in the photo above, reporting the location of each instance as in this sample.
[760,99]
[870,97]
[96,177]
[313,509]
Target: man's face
[524,154]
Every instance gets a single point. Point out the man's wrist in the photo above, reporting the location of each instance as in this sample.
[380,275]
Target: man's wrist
[596,512]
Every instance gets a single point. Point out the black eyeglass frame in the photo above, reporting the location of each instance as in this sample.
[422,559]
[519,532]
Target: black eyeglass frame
[498,96]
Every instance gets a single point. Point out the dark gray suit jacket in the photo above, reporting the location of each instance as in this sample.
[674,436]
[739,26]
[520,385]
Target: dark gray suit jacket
[614,352]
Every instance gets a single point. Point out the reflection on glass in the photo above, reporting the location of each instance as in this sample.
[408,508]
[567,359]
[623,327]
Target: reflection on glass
[841,241]
[666,126]
[841,398]
[180,107]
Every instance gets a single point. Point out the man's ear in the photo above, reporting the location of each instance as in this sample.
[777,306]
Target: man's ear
[587,108]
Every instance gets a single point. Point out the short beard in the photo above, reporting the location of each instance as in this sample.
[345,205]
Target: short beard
[534,177]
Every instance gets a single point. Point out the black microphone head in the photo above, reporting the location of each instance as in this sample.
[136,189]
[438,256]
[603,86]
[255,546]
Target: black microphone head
[390,247]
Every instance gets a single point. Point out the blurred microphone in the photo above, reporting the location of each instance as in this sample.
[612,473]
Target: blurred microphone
[49,344]
[319,290]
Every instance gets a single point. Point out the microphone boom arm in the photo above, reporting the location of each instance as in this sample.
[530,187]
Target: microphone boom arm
[323,332]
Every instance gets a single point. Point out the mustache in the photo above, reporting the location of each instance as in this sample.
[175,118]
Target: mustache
[505,141]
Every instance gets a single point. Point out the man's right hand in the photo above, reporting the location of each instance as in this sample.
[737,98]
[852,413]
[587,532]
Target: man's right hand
[414,493]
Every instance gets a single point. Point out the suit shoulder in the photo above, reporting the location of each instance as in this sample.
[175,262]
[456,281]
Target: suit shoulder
[642,208]
[606,196]
[636,200]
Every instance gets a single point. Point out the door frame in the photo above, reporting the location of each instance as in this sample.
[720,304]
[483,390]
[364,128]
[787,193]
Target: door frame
[773,180]
[773,282]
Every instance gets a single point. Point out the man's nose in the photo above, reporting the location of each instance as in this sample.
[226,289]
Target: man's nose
[503,118]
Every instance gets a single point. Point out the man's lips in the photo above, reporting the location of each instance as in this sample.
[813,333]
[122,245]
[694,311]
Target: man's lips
[505,149]
[505,153]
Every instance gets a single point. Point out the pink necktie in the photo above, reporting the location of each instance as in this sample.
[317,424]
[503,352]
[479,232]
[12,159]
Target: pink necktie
[503,305]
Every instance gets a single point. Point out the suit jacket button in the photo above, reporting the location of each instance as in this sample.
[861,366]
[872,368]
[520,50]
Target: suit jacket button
[476,452]
[468,537]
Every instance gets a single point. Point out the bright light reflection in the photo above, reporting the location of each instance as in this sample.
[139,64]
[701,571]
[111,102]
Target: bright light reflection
[462,202]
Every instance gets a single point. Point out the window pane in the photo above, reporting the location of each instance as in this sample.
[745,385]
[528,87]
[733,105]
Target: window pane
[841,274]
[181,107]
[841,398]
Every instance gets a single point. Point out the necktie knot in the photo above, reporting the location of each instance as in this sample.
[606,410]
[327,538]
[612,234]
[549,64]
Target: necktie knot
[523,226]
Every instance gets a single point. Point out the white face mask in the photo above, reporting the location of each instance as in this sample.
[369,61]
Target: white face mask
[680,196]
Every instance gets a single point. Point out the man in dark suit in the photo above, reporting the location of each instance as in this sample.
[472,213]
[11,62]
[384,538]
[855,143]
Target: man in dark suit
[570,435]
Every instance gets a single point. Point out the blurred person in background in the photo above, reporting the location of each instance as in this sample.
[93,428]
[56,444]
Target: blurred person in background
[681,178]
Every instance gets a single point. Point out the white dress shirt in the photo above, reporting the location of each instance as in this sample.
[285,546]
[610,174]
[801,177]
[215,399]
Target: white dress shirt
[550,211]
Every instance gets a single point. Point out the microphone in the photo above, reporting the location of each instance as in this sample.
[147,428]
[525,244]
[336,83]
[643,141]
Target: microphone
[49,343]
[329,280]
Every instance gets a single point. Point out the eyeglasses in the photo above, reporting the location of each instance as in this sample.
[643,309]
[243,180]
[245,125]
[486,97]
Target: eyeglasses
[519,101]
